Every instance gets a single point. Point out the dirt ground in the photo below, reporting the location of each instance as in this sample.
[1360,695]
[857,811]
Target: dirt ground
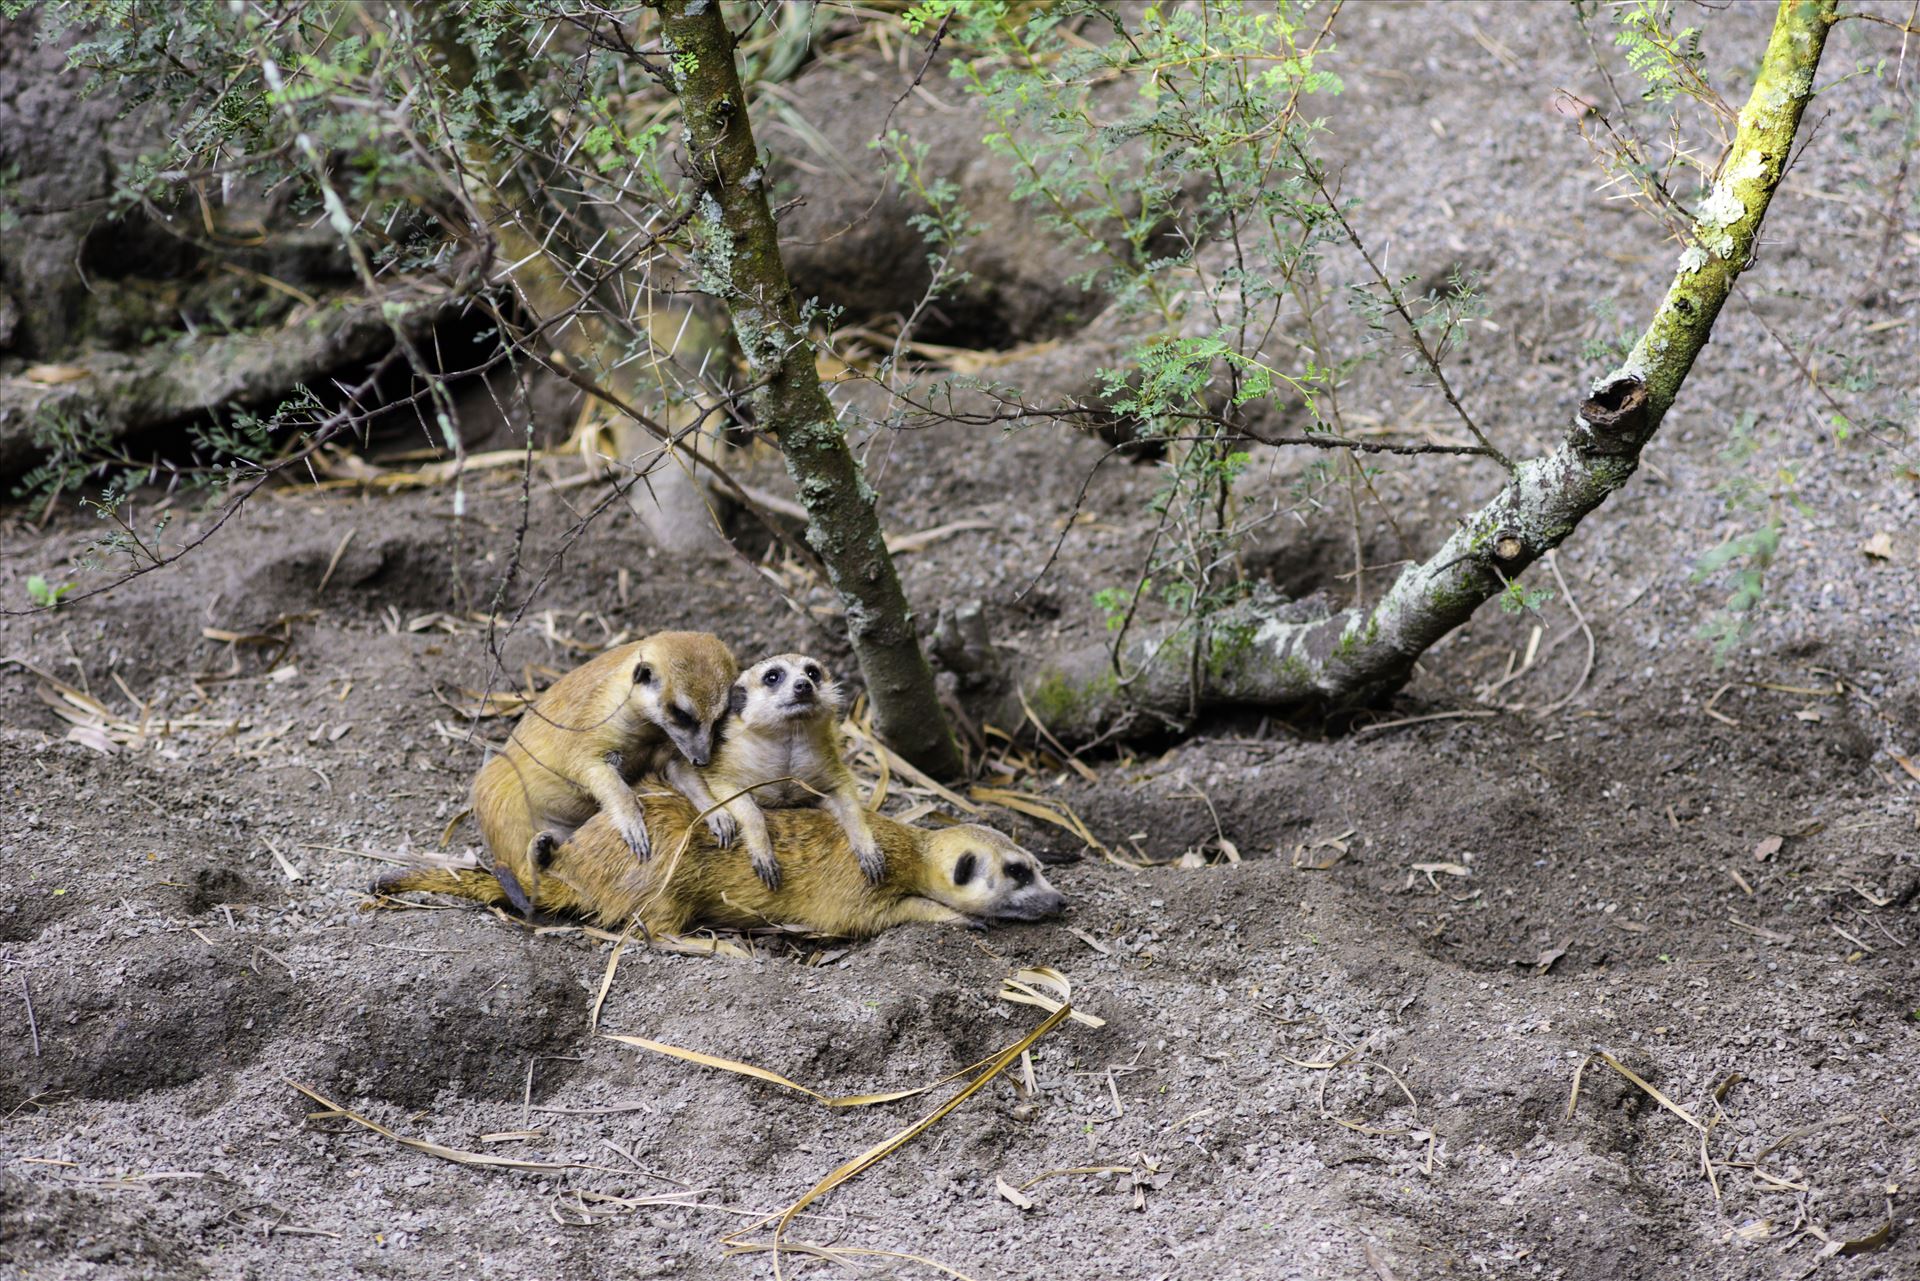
[1349,1054]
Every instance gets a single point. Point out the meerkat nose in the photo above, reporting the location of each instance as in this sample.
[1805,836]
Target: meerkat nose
[803,688]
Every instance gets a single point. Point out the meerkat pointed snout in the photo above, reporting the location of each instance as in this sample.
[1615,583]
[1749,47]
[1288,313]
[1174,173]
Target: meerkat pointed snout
[688,725]
[985,874]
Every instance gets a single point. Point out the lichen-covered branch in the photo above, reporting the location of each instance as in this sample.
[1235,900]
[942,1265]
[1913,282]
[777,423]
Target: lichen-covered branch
[740,262]
[1259,656]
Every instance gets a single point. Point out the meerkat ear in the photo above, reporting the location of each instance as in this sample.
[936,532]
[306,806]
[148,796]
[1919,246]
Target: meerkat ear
[737,699]
[963,868]
[643,674]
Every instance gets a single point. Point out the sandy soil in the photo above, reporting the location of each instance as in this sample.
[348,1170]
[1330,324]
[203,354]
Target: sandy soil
[1319,1062]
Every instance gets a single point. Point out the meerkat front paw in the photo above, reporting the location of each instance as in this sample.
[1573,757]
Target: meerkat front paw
[873,860]
[633,829]
[766,868]
[724,828]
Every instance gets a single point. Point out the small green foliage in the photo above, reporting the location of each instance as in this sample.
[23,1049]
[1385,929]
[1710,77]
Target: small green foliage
[1668,60]
[1614,341]
[43,594]
[1518,598]
[930,13]
[1740,562]
[1213,144]
[1116,602]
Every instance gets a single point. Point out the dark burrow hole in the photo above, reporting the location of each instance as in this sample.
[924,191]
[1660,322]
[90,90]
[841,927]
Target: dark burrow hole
[494,401]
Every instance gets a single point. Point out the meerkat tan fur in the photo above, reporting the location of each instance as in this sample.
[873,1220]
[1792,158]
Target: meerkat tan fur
[962,875]
[780,749]
[646,707]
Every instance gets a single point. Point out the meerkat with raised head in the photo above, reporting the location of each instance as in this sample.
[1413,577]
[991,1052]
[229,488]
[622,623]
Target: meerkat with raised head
[646,707]
[780,749]
[964,875]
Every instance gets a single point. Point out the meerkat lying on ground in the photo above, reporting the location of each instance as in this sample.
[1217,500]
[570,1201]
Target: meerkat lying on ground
[641,708]
[780,749]
[958,875]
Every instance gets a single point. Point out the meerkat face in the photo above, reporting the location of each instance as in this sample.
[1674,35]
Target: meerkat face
[681,684]
[978,871]
[785,688]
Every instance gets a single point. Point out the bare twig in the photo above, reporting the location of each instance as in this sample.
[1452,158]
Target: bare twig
[33,1026]
[1553,563]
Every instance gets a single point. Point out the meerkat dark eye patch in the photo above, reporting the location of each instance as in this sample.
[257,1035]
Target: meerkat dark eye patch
[773,677]
[813,674]
[963,868]
[1019,873]
[683,718]
[643,674]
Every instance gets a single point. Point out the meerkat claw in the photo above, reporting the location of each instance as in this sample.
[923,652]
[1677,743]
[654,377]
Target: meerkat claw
[634,832]
[725,830]
[768,871]
[873,861]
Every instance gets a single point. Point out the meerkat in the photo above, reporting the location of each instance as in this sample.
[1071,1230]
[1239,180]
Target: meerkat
[780,749]
[965,875]
[650,706]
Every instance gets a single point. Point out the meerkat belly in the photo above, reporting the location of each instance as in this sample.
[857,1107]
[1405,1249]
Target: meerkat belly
[771,768]
[780,796]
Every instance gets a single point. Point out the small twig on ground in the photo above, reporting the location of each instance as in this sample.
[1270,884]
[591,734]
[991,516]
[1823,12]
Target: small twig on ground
[1421,720]
[1553,564]
[33,1027]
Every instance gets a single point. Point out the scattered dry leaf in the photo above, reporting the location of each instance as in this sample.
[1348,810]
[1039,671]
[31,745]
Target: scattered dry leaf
[1767,848]
[52,375]
[1880,546]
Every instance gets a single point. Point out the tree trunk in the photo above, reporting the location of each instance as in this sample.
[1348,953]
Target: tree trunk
[740,260]
[1256,656]
[521,204]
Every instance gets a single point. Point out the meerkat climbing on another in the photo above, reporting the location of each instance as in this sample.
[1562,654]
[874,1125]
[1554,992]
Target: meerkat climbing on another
[962,875]
[646,707]
[780,749]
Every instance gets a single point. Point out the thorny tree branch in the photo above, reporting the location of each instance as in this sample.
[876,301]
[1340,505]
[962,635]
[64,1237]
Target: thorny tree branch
[1398,301]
